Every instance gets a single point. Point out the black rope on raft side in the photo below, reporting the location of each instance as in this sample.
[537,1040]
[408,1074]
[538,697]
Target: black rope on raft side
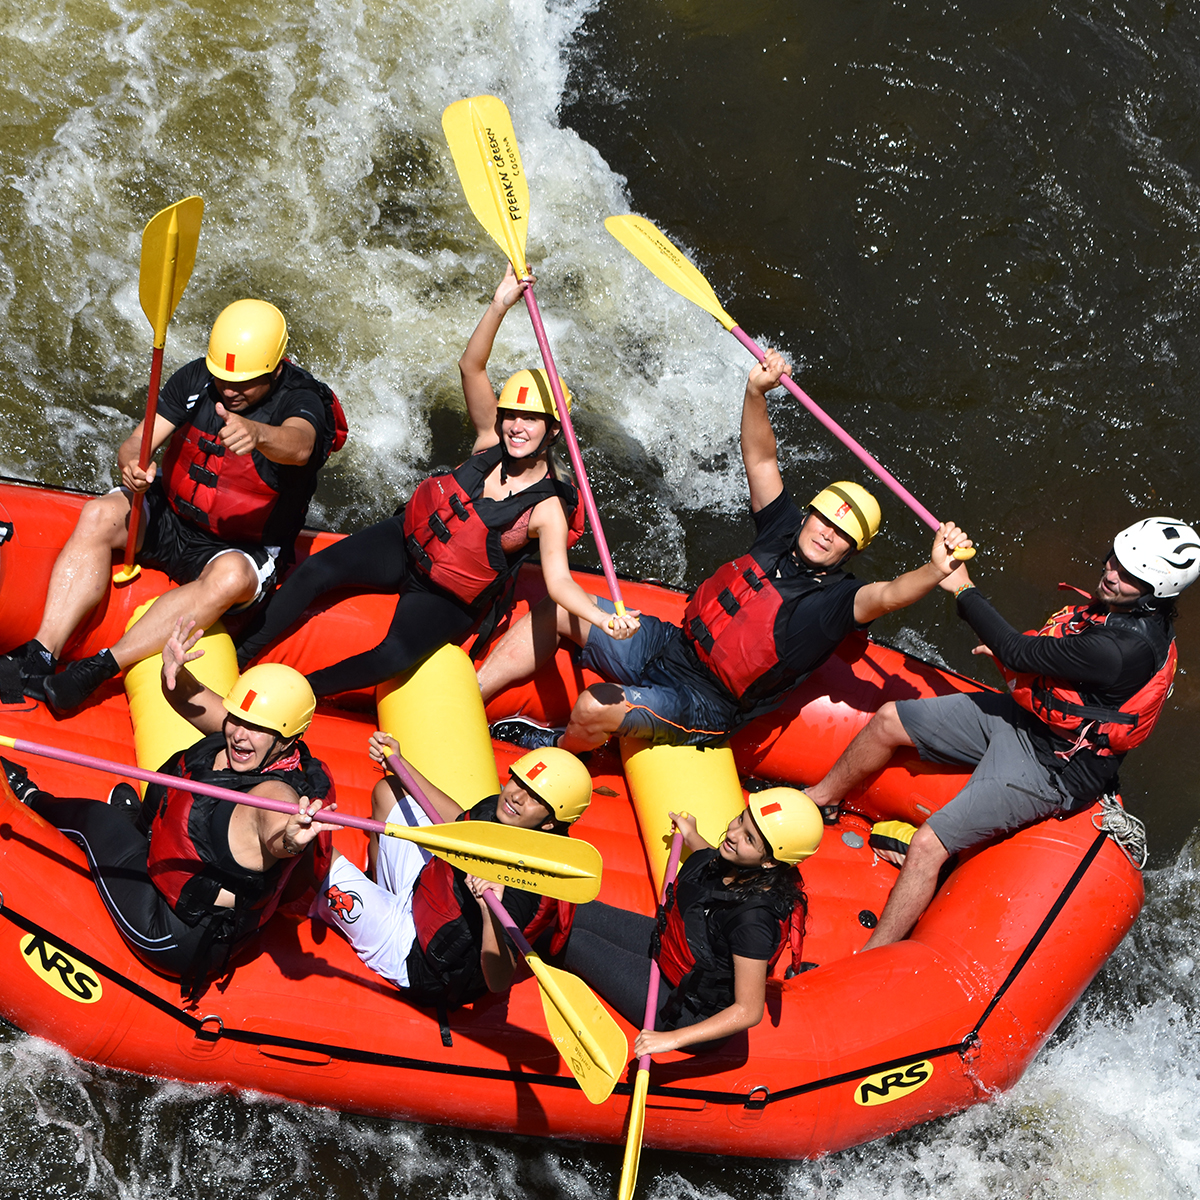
[349,1054]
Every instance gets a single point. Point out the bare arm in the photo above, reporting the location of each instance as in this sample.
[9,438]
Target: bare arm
[878,598]
[382,744]
[495,958]
[760,453]
[290,444]
[746,1011]
[284,835]
[476,386]
[128,453]
[691,835]
[184,692]
[548,523]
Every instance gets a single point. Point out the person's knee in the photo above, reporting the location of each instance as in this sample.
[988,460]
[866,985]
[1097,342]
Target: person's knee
[600,708]
[229,579]
[316,575]
[102,520]
[887,727]
[926,849]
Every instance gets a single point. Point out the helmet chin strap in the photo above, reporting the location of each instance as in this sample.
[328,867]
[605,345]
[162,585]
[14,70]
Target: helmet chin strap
[508,462]
[804,564]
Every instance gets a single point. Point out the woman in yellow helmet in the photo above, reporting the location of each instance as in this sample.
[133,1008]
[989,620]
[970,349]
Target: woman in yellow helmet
[730,915]
[451,551]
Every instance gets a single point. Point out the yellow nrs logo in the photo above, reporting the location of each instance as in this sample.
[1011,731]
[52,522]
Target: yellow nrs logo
[63,973]
[891,1085]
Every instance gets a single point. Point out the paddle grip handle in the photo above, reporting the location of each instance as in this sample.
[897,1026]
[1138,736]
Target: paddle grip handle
[187,785]
[656,975]
[564,419]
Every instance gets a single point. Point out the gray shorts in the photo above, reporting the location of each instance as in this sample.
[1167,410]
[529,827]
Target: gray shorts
[1008,788]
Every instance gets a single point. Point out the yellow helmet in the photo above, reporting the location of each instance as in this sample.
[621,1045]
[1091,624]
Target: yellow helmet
[558,779]
[275,697]
[850,508]
[529,392]
[789,821]
[248,339]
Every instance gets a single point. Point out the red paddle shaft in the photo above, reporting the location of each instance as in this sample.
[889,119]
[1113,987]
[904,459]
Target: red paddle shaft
[655,975]
[135,509]
[564,419]
[842,436]
[187,785]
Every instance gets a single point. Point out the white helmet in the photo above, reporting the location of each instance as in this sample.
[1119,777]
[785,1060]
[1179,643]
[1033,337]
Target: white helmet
[1162,552]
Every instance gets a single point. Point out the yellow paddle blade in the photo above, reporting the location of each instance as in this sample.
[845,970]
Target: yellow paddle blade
[587,1037]
[652,248]
[488,161]
[169,244]
[560,867]
[633,1140]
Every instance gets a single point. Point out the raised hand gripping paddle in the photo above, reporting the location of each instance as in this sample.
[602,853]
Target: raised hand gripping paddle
[169,244]
[641,1084]
[589,1040]
[561,868]
[654,250]
[488,161]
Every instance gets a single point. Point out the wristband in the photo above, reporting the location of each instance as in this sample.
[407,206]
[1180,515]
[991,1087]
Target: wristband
[966,587]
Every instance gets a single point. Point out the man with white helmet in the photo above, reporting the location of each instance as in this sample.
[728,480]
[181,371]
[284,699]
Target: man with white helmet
[751,632]
[425,925]
[194,877]
[1084,689]
[248,431]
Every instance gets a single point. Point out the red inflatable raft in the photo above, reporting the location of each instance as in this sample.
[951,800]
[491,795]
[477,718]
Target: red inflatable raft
[851,1048]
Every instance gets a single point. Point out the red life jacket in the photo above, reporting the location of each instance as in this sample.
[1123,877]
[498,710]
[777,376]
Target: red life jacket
[453,534]
[693,950]
[444,963]
[736,621]
[234,496]
[189,858]
[1070,714]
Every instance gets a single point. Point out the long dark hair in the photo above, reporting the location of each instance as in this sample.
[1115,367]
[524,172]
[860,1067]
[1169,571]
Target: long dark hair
[780,881]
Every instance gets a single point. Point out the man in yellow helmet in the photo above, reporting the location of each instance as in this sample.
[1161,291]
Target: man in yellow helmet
[425,925]
[194,877]
[248,431]
[751,632]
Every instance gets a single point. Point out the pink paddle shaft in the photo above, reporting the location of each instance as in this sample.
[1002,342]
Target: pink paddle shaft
[135,509]
[656,975]
[842,436]
[189,785]
[410,785]
[564,419]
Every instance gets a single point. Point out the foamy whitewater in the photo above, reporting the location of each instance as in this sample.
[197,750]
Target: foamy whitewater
[312,130]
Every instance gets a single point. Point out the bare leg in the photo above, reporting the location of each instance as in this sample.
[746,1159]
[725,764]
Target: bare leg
[867,753]
[913,891]
[82,572]
[597,715]
[226,581]
[528,645]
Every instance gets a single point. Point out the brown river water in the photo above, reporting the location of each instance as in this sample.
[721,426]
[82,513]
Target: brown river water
[973,229]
